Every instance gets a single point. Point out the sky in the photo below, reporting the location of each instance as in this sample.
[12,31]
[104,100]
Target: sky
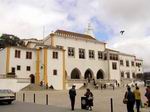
[30,18]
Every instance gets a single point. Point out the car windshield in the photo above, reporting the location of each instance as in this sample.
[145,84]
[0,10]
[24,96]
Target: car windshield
[5,91]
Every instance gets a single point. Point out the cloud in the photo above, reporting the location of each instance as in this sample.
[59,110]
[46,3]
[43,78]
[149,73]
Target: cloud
[134,18]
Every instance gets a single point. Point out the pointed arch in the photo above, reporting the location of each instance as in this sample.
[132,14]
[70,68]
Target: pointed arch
[75,74]
[88,74]
[100,74]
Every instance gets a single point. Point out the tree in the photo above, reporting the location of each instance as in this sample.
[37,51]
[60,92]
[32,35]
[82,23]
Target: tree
[10,40]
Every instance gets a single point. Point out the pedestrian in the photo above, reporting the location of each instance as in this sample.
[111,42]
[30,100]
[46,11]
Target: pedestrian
[89,99]
[129,95]
[72,94]
[147,95]
[137,98]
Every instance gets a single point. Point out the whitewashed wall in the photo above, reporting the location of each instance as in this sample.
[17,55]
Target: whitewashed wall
[23,62]
[126,69]
[82,64]
[2,61]
[57,64]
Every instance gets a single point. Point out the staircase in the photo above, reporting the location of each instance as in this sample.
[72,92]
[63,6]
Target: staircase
[89,85]
[34,87]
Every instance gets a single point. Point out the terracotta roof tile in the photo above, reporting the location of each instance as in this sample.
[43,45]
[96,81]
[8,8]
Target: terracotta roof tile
[74,34]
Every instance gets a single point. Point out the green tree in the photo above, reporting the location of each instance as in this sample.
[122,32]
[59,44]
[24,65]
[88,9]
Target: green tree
[10,40]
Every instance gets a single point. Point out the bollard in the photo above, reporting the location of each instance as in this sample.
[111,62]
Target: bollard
[34,97]
[23,97]
[111,101]
[47,99]
[15,95]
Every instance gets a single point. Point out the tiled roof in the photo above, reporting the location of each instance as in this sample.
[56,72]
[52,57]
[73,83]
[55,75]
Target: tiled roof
[74,34]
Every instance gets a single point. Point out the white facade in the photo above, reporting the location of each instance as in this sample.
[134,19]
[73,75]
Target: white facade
[79,57]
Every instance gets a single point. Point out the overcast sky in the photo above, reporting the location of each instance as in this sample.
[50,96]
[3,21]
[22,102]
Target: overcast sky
[27,18]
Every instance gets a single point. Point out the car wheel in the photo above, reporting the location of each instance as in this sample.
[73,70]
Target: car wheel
[9,102]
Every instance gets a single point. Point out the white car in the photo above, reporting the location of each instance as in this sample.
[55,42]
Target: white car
[6,95]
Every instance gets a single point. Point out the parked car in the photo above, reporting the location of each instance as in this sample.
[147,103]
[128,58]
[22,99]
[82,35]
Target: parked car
[6,95]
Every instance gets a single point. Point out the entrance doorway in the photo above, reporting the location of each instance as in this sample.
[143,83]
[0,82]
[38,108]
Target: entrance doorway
[88,75]
[100,74]
[32,79]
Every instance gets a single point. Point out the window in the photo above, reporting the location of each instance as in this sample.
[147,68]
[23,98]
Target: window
[81,53]
[133,75]
[100,55]
[128,74]
[114,65]
[91,54]
[28,68]
[28,55]
[13,69]
[122,74]
[138,64]
[55,72]
[113,56]
[105,56]
[71,51]
[127,63]
[121,62]
[59,47]
[55,55]
[17,53]
[132,63]
[18,67]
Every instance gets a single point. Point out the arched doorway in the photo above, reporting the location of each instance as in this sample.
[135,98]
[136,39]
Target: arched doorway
[100,74]
[75,74]
[88,74]
[32,79]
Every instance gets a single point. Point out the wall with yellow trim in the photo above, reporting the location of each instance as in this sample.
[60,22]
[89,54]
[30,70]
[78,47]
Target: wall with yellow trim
[37,75]
[45,66]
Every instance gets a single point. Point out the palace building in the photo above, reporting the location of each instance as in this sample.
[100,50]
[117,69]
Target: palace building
[64,58]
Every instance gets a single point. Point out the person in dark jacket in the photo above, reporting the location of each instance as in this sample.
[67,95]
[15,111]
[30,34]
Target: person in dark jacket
[129,95]
[72,94]
[89,99]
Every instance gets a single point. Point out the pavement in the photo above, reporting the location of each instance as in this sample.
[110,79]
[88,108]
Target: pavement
[30,107]
[58,101]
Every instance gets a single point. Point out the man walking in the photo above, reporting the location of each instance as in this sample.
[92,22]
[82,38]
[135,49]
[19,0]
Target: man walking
[72,94]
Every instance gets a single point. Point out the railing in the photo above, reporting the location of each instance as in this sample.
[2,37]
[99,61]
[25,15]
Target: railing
[105,81]
[11,75]
[2,76]
[76,80]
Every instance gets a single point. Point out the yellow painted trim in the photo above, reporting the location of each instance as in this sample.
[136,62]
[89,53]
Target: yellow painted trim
[37,66]
[64,66]
[7,59]
[45,67]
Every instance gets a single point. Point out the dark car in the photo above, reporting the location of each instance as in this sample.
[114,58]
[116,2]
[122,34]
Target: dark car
[6,95]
